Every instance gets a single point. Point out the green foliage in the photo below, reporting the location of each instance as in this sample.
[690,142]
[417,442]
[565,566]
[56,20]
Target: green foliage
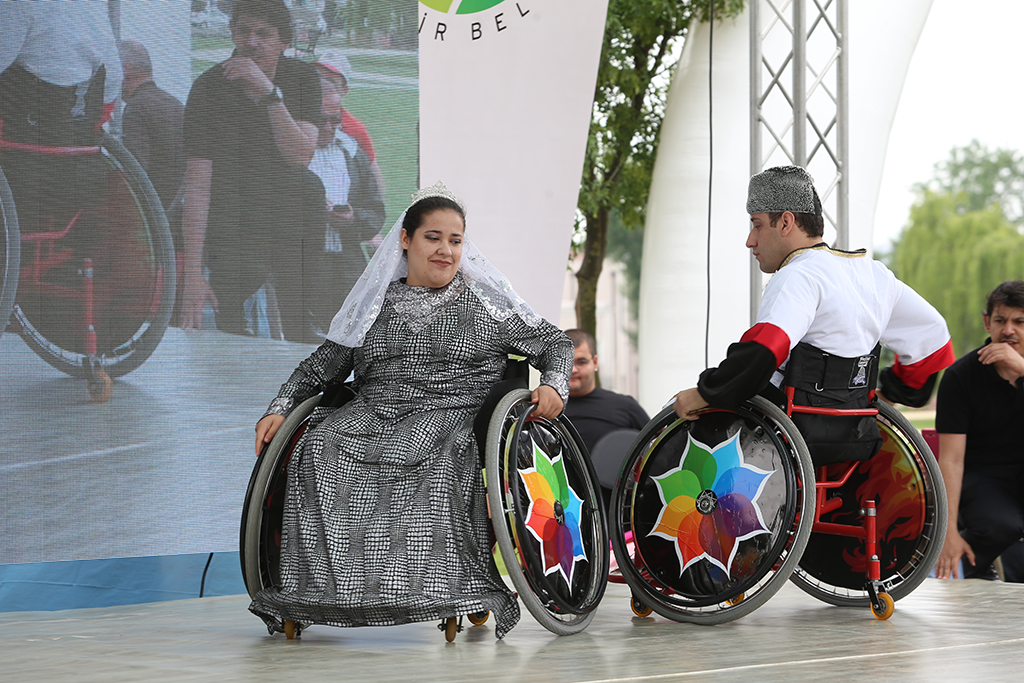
[641,46]
[626,247]
[954,257]
[640,49]
[980,177]
[363,18]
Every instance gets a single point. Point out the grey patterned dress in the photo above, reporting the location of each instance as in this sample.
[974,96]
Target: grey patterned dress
[385,518]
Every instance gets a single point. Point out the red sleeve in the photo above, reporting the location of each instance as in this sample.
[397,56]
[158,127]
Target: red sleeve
[352,126]
[772,338]
[748,366]
[916,374]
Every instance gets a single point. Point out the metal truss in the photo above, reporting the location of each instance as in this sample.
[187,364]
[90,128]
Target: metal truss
[798,103]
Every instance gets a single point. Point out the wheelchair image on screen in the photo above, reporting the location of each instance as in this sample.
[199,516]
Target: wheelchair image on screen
[544,500]
[711,516]
[88,262]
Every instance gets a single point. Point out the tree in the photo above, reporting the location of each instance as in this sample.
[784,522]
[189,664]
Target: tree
[641,41]
[954,257]
[626,246]
[983,177]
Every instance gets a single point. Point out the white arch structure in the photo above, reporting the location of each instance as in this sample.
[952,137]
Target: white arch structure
[673,290]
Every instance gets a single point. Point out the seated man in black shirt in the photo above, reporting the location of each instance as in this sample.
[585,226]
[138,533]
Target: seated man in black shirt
[980,421]
[595,411]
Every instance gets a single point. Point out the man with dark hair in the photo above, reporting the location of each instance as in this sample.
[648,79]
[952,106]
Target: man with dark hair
[152,123]
[822,318]
[250,202]
[980,421]
[594,411]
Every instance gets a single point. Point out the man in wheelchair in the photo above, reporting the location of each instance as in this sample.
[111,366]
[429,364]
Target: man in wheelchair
[822,318]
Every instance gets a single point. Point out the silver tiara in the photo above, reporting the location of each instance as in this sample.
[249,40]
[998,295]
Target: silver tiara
[437,190]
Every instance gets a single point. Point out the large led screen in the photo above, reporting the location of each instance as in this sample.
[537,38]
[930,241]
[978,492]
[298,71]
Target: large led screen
[164,273]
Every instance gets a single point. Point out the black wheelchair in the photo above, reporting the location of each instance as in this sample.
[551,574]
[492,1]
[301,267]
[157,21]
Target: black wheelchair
[543,496]
[710,517]
[88,262]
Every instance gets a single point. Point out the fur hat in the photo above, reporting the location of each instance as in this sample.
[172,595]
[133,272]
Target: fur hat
[783,188]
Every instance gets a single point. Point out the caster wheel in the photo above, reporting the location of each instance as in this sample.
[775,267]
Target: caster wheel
[736,599]
[639,608]
[888,607]
[291,631]
[478,618]
[451,627]
[100,386]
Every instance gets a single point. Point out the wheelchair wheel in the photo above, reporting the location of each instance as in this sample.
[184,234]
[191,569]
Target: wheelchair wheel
[263,510]
[113,270]
[547,513]
[904,480]
[719,510]
[10,251]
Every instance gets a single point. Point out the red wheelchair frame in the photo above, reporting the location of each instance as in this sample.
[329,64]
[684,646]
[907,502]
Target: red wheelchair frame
[144,251]
[891,510]
[882,604]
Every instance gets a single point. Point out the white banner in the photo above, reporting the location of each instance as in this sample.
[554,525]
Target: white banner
[506,90]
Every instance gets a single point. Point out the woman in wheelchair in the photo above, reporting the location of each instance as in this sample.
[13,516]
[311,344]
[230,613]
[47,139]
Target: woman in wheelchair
[385,518]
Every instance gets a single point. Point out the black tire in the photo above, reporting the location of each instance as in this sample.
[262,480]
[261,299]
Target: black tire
[563,602]
[259,536]
[10,252]
[135,277]
[910,534]
[702,588]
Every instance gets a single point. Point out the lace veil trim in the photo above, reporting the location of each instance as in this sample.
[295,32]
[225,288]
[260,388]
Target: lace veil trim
[364,302]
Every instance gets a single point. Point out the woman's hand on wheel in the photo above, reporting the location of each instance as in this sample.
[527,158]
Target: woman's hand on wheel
[266,429]
[548,402]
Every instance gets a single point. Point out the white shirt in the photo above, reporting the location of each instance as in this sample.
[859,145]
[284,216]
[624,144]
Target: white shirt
[845,304]
[330,163]
[62,42]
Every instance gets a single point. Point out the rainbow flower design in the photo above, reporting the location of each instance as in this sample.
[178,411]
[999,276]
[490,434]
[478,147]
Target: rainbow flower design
[710,503]
[554,515]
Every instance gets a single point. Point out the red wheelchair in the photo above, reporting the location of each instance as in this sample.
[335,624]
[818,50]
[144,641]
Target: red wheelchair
[711,516]
[88,262]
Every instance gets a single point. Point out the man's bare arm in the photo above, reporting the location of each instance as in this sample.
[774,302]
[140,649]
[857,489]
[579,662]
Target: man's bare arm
[951,462]
[296,140]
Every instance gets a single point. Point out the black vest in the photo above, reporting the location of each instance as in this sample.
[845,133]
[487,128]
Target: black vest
[823,380]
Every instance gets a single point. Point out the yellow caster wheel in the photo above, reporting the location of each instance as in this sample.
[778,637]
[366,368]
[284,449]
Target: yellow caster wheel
[451,627]
[478,618]
[291,631]
[888,606]
[639,608]
[100,386]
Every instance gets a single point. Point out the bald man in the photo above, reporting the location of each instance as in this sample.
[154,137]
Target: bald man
[153,123]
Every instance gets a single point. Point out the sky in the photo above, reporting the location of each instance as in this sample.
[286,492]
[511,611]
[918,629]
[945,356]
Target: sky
[965,81]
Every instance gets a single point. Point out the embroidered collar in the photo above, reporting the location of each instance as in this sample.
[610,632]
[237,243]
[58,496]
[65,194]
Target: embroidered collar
[419,305]
[821,246]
